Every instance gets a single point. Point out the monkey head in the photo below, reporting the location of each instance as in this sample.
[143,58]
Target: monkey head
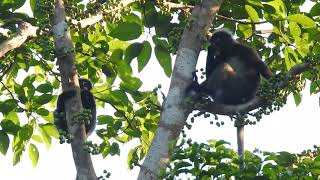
[221,40]
[85,84]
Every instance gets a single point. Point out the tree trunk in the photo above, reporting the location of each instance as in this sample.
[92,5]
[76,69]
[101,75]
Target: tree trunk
[69,80]
[174,115]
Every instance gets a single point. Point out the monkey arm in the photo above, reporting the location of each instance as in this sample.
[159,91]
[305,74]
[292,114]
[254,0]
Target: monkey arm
[210,63]
[59,114]
[88,102]
[264,70]
[261,66]
[62,98]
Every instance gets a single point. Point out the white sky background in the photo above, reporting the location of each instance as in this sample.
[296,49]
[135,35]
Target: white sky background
[291,129]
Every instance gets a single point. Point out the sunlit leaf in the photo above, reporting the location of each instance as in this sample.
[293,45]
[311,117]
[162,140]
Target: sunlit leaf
[252,13]
[302,19]
[33,154]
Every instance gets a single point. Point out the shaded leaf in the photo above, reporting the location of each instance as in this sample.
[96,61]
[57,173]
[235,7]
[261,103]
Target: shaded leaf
[297,98]
[126,31]
[114,149]
[164,59]
[4,142]
[105,119]
[315,10]
[44,88]
[133,51]
[144,56]
[132,84]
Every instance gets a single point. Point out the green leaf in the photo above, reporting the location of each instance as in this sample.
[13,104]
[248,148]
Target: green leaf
[302,45]
[114,149]
[297,98]
[105,119]
[124,70]
[255,3]
[221,142]
[315,10]
[19,141]
[13,116]
[37,138]
[126,31]
[7,106]
[132,18]
[142,112]
[144,56]
[116,55]
[44,88]
[304,20]
[133,132]
[133,51]
[42,112]
[132,84]
[315,172]
[160,42]
[33,4]
[245,30]
[116,44]
[9,126]
[132,157]
[51,130]
[4,142]
[253,14]
[313,87]
[33,154]
[43,99]
[46,138]
[119,96]
[150,126]
[294,28]
[279,6]
[8,4]
[290,57]
[182,164]
[164,59]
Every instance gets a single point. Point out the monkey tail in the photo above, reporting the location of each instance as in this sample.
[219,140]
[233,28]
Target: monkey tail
[240,141]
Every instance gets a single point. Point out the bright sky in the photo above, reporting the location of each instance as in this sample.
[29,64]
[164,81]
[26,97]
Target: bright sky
[291,129]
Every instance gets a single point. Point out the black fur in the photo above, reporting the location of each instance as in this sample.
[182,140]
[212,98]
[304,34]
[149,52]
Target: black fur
[232,71]
[88,102]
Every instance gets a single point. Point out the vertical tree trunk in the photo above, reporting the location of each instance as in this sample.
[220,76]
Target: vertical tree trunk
[69,80]
[174,115]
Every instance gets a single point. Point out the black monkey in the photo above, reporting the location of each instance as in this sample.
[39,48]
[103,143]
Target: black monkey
[232,75]
[88,102]
[232,70]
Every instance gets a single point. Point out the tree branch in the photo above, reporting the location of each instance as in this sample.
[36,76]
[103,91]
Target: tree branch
[25,31]
[172,5]
[257,102]
[100,14]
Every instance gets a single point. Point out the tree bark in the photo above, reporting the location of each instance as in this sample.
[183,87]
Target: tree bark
[69,80]
[174,115]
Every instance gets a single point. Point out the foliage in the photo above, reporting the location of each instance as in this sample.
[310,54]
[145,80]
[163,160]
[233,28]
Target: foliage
[216,160]
[107,52]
